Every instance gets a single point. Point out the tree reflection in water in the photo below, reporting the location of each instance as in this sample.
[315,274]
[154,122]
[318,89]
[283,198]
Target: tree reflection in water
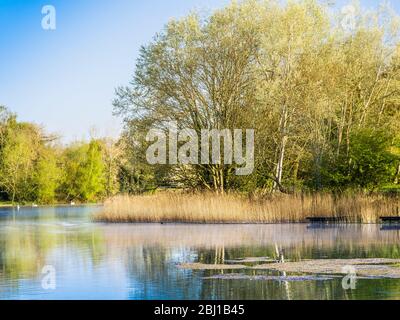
[140,261]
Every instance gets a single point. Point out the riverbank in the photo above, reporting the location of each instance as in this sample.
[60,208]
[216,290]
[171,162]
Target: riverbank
[235,208]
[9,205]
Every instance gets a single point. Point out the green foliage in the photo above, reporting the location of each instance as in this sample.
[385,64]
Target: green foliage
[368,164]
[135,175]
[371,162]
[19,152]
[35,170]
[324,102]
[83,172]
[91,173]
[47,177]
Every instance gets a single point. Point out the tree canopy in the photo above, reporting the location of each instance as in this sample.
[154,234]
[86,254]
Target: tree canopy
[322,96]
[36,168]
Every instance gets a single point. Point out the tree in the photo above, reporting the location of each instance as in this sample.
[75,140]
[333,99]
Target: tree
[369,164]
[198,74]
[19,151]
[34,169]
[307,86]
[47,176]
[324,102]
[112,153]
[291,42]
[83,174]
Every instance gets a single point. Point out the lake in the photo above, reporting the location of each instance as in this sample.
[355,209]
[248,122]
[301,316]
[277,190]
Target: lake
[105,261]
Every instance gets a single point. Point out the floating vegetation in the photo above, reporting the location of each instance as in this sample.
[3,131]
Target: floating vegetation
[203,266]
[384,268]
[240,276]
[251,260]
[364,268]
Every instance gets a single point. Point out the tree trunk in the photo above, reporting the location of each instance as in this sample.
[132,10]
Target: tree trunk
[282,149]
[279,167]
[217,173]
[397,176]
[13,197]
[341,127]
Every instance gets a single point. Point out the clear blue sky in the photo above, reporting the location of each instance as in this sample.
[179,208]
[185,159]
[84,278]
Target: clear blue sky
[65,79]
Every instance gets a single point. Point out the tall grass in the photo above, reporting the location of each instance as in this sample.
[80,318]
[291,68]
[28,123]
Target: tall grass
[235,208]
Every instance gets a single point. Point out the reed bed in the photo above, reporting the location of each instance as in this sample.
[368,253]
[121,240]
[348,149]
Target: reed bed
[235,208]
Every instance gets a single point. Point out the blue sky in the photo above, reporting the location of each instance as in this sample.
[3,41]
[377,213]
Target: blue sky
[65,79]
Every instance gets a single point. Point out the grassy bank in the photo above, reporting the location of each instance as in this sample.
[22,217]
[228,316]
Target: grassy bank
[234,208]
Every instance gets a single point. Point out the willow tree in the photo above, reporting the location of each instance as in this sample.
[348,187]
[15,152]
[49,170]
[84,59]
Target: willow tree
[291,37]
[322,85]
[359,77]
[46,175]
[83,172]
[112,153]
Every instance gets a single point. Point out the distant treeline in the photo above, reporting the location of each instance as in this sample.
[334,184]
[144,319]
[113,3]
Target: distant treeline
[35,167]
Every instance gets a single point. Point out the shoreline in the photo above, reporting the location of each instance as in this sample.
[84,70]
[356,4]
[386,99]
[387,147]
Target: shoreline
[10,206]
[247,223]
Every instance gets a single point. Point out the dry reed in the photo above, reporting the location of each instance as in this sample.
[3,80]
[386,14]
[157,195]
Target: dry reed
[234,208]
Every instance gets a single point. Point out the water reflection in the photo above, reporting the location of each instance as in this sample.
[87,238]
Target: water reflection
[391,227]
[100,261]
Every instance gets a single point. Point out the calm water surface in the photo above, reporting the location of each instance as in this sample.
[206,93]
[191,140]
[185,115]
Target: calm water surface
[104,261]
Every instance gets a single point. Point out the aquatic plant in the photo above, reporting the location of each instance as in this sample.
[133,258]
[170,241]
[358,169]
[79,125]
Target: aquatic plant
[169,207]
